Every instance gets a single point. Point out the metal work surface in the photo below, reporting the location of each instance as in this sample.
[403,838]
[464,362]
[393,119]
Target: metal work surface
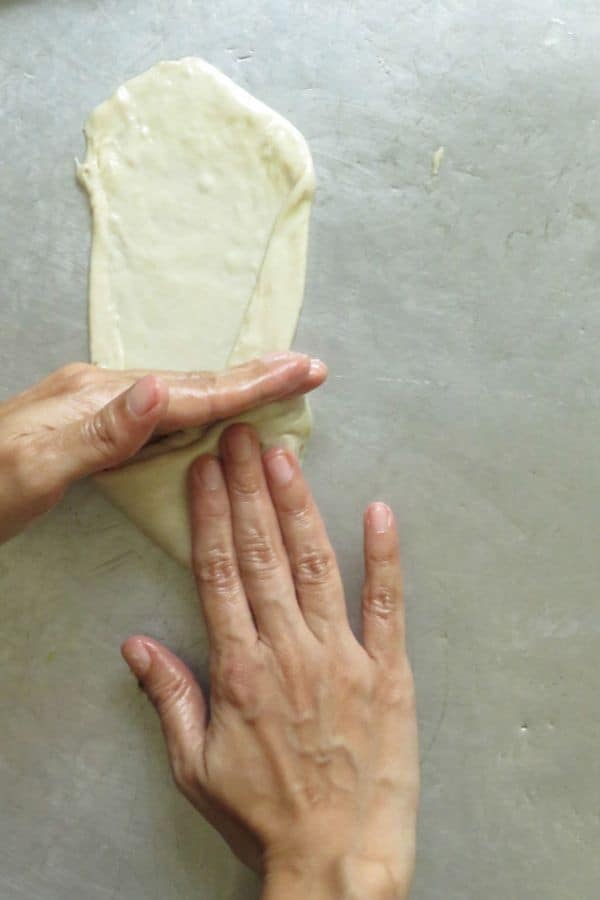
[460,315]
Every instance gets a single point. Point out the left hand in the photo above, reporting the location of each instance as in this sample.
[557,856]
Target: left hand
[82,419]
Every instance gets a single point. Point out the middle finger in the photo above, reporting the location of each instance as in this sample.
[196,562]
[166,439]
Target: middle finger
[261,556]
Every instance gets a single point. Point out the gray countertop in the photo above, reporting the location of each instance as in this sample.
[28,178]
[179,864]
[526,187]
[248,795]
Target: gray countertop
[460,314]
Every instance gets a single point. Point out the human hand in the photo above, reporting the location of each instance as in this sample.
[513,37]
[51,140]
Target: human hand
[82,419]
[307,763]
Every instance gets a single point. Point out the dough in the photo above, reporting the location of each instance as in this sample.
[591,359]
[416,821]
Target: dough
[201,199]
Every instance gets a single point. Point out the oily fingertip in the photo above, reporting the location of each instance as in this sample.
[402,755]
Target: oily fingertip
[136,654]
[280,466]
[318,371]
[143,397]
[379,518]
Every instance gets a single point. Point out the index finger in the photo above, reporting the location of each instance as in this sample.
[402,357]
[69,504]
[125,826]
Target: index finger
[197,398]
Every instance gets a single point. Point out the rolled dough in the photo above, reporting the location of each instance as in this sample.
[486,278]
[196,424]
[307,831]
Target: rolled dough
[201,199]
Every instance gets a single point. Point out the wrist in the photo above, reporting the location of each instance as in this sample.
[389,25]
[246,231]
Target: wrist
[347,878]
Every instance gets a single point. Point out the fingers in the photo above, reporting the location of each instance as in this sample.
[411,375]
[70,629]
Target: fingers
[261,556]
[204,397]
[382,599]
[178,700]
[226,613]
[113,434]
[311,557]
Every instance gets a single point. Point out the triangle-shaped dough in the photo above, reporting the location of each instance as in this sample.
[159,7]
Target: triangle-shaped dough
[201,199]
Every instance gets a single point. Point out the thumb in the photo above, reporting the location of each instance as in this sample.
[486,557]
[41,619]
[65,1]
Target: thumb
[116,432]
[177,698]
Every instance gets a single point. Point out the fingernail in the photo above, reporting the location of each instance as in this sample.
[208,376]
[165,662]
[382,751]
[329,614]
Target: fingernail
[142,396]
[317,368]
[279,468]
[138,660]
[239,444]
[380,517]
[210,474]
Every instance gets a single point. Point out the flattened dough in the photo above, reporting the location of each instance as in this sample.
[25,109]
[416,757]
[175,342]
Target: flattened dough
[201,199]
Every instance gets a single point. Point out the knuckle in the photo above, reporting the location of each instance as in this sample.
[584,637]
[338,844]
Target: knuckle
[216,570]
[354,679]
[101,433]
[298,665]
[382,558]
[397,689]
[76,375]
[381,601]
[256,555]
[302,702]
[233,678]
[300,512]
[245,486]
[168,693]
[314,567]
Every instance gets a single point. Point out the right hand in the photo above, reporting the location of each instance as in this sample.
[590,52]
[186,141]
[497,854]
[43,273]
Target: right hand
[308,762]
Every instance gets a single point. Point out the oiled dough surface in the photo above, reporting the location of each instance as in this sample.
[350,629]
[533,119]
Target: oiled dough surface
[201,198]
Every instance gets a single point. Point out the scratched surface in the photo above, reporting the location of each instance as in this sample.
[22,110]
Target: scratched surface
[460,313]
